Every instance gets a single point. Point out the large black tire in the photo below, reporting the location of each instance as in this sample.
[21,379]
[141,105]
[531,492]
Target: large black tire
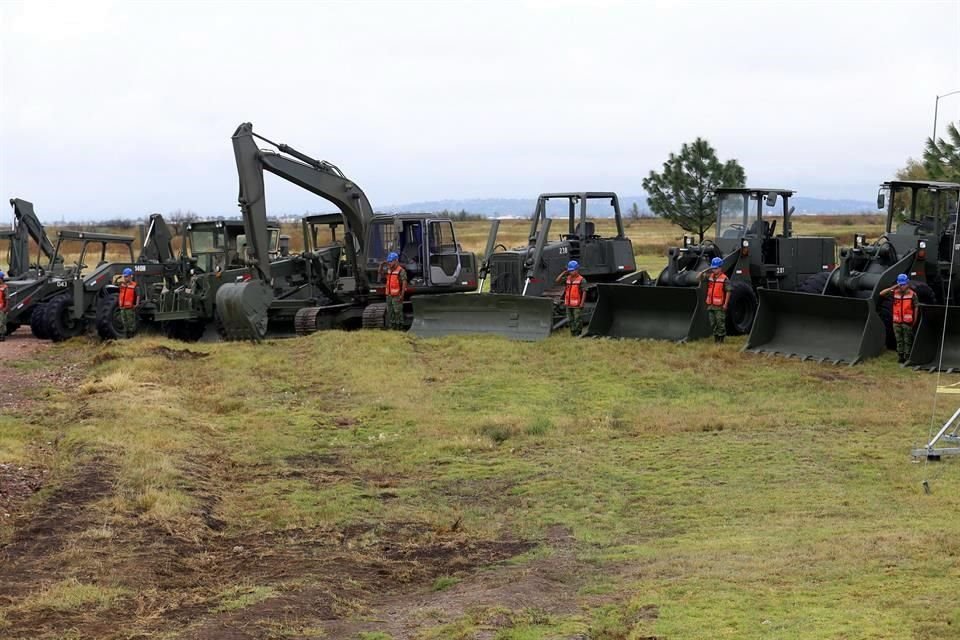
[37,322]
[741,309]
[815,283]
[109,325]
[925,295]
[57,321]
[11,327]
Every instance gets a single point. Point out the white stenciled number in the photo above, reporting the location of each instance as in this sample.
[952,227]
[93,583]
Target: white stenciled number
[563,250]
[140,267]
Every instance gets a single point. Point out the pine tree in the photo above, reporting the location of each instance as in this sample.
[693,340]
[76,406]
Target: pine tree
[684,191]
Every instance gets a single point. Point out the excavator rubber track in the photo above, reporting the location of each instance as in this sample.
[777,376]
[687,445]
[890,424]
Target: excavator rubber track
[527,318]
[305,320]
[930,335]
[243,310]
[659,313]
[817,327]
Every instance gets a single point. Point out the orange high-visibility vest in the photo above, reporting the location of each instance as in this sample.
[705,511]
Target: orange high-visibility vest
[394,286]
[3,296]
[903,306]
[128,295]
[716,295]
[573,291]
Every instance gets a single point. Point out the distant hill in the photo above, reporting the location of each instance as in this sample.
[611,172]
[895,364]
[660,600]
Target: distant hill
[523,207]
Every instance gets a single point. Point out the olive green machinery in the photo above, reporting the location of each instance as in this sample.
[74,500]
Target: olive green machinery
[754,254]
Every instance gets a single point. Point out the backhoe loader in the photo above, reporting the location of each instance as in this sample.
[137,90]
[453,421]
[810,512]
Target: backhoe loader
[335,284]
[840,317]
[672,305]
[522,303]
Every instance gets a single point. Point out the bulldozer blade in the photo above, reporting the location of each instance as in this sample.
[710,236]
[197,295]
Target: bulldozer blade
[527,318]
[659,313]
[930,335]
[242,310]
[818,327]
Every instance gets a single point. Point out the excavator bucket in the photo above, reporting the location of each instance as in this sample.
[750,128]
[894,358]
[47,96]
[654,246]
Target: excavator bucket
[660,313]
[242,309]
[930,335]
[527,318]
[818,327]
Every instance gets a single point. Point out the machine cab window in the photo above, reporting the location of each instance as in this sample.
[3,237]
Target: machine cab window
[732,215]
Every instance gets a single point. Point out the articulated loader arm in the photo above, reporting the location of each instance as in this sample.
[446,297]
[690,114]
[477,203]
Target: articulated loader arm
[318,177]
[27,224]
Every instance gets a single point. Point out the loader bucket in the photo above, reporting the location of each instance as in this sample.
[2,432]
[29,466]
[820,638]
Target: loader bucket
[926,342]
[242,309]
[527,318]
[660,313]
[818,327]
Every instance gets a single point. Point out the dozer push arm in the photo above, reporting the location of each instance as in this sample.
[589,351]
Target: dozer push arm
[317,177]
[27,224]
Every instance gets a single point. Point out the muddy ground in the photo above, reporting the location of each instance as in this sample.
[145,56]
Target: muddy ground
[319,583]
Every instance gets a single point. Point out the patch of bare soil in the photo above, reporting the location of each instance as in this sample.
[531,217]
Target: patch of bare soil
[17,483]
[548,585]
[18,383]
[177,582]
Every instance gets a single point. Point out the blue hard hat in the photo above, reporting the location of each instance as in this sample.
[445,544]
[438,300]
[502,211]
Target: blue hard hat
[902,279]
[2,275]
[716,262]
[392,256]
[128,271]
[573,265]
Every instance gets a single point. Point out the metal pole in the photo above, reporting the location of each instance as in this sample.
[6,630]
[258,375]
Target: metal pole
[936,106]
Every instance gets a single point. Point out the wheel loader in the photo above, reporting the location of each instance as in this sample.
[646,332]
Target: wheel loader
[337,281]
[840,317]
[523,301]
[756,256]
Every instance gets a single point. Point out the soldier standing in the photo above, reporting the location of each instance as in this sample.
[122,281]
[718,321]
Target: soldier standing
[718,297]
[573,297]
[396,290]
[904,315]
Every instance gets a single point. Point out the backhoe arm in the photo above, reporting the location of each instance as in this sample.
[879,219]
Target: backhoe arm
[27,225]
[157,241]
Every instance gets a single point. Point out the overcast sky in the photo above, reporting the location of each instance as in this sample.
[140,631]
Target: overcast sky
[127,108]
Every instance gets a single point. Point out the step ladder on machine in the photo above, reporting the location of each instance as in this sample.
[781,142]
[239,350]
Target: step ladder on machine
[949,434]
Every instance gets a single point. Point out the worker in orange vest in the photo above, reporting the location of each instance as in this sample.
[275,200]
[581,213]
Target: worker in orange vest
[905,315]
[573,296]
[718,297]
[3,306]
[127,301]
[396,289]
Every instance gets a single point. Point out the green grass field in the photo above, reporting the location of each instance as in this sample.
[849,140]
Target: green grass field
[370,485]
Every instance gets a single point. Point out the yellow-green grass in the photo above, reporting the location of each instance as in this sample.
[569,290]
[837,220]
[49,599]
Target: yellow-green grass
[737,496]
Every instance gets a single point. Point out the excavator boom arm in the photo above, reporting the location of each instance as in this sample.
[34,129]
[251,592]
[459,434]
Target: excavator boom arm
[319,178]
[27,224]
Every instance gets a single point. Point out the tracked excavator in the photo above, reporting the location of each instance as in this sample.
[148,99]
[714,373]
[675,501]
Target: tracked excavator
[839,316]
[523,299]
[755,256]
[336,282]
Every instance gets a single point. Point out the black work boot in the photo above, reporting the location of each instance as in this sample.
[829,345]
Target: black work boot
[720,339]
[901,359]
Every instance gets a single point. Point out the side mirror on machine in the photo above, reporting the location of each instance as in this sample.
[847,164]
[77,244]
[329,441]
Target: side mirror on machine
[771,199]
[881,200]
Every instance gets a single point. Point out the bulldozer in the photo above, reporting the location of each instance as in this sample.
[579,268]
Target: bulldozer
[840,316]
[337,282]
[521,303]
[755,257]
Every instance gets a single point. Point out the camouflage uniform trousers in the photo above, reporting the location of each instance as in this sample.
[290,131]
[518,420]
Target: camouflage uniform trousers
[128,320]
[575,320]
[904,335]
[718,321]
[395,312]
[3,324]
